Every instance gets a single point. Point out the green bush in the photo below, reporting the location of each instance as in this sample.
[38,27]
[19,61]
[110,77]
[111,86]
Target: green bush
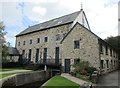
[90,70]
[83,68]
[80,67]
[10,65]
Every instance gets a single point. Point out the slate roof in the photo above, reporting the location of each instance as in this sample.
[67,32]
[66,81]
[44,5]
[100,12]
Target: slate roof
[13,51]
[51,23]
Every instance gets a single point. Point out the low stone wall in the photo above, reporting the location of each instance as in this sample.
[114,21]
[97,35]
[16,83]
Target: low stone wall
[10,80]
[25,78]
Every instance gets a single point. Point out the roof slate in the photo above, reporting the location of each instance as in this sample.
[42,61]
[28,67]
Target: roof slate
[13,51]
[51,23]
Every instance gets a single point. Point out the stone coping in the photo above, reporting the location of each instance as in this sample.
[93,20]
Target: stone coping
[24,78]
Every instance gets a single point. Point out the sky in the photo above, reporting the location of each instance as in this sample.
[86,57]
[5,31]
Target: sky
[17,15]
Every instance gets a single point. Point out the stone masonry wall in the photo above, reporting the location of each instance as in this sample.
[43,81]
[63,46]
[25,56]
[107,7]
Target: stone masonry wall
[89,48]
[112,60]
[50,45]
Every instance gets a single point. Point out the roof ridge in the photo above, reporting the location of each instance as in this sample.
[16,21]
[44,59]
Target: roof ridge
[51,23]
[56,18]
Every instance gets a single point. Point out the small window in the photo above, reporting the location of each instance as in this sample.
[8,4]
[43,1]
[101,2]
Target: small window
[57,37]
[30,41]
[23,42]
[59,22]
[76,61]
[110,52]
[101,49]
[38,40]
[76,44]
[18,43]
[106,48]
[107,63]
[46,39]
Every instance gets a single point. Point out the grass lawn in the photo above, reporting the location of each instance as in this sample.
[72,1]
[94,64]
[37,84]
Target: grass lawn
[59,81]
[8,74]
[9,69]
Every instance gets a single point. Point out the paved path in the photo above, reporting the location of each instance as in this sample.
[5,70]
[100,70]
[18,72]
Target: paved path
[13,71]
[111,79]
[74,79]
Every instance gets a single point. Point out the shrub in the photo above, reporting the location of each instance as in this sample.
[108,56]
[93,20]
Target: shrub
[83,68]
[90,70]
[80,67]
[10,65]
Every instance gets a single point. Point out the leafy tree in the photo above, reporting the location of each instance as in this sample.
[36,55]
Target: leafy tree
[115,42]
[3,44]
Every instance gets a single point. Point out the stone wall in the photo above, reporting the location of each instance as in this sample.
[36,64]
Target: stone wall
[50,45]
[112,59]
[89,48]
[88,51]
[25,78]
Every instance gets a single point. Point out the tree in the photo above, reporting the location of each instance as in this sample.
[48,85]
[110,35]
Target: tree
[115,42]
[3,44]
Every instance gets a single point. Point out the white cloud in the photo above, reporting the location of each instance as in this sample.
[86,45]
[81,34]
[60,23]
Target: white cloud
[1,12]
[10,14]
[101,14]
[41,1]
[39,10]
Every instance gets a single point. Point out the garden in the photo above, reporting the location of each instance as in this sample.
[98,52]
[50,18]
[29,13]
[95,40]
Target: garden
[83,70]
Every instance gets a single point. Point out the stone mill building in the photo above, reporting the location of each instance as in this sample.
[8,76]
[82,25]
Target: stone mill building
[65,40]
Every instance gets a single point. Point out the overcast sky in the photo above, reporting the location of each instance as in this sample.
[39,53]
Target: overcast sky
[17,15]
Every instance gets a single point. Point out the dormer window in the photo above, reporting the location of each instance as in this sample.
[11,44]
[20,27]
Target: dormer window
[59,22]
